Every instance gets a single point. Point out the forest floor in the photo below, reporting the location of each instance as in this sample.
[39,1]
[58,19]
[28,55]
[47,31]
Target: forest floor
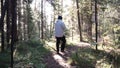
[88,57]
[36,54]
[62,60]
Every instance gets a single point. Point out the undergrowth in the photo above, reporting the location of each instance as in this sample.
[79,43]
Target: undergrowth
[89,58]
[5,59]
[30,54]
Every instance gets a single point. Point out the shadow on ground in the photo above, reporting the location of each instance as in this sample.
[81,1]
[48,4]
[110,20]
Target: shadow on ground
[83,56]
[86,57]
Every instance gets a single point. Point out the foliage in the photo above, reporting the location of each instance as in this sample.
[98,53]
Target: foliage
[31,25]
[30,52]
[89,58]
[5,59]
[83,59]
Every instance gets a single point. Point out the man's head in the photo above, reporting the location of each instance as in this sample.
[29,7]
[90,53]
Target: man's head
[60,17]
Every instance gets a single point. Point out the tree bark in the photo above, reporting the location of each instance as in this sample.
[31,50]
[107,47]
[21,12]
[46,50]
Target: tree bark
[3,11]
[14,28]
[25,32]
[19,20]
[28,21]
[96,23]
[39,28]
[8,24]
[42,20]
[79,24]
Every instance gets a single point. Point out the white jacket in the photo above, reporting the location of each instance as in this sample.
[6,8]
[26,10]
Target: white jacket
[59,28]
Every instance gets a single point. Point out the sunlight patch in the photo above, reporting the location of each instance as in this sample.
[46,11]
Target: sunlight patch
[56,57]
[61,61]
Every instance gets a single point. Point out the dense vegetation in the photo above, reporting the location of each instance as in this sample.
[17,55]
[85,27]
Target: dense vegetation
[27,26]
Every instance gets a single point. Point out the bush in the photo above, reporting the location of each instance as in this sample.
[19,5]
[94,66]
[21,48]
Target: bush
[31,51]
[34,43]
[5,59]
[82,60]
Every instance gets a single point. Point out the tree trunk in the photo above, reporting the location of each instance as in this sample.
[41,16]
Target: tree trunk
[96,23]
[42,20]
[51,27]
[8,24]
[91,21]
[38,25]
[38,22]
[3,11]
[19,20]
[14,28]
[27,21]
[79,24]
[25,32]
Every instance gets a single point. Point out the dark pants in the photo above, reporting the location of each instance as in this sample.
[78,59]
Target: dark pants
[61,40]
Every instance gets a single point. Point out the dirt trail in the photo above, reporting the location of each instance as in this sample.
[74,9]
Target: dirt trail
[54,60]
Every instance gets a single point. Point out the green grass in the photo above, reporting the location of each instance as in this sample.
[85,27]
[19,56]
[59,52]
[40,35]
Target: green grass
[89,58]
[31,52]
[83,59]
[5,59]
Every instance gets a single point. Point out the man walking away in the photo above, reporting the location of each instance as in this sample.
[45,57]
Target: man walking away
[59,34]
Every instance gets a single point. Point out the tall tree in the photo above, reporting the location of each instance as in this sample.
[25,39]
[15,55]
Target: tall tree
[25,19]
[96,23]
[3,11]
[19,19]
[90,21]
[42,22]
[14,28]
[30,24]
[79,24]
[2,29]
[8,24]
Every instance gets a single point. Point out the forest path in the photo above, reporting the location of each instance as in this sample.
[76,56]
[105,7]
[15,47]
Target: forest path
[62,60]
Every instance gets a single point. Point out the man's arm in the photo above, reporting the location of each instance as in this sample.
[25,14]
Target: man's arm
[63,26]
